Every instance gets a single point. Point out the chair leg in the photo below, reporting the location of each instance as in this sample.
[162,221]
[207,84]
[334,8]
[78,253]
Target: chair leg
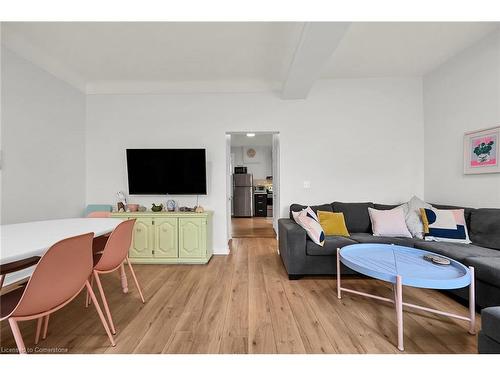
[45,327]
[135,280]
[104,302]
[99,312]
[87,297]
[17,336]
[38,329]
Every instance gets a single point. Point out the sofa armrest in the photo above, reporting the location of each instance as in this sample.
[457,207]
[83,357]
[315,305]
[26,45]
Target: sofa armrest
[490,322]
[292,243]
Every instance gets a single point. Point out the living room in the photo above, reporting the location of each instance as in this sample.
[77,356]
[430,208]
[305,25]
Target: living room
[356,125]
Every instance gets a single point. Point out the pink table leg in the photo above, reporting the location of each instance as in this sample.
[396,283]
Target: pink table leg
[123,277]
[399,310]
[472,303]
[339,295]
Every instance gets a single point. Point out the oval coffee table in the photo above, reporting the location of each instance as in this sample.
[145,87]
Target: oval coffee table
[400,265]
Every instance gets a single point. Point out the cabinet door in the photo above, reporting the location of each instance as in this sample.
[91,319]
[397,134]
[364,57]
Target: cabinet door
[192,237]
[142,240]
[166,238]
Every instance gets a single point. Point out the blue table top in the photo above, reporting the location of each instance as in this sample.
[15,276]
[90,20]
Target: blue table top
[385,262]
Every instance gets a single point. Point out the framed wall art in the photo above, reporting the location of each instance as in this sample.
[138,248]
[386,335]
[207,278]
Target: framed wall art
[481,151]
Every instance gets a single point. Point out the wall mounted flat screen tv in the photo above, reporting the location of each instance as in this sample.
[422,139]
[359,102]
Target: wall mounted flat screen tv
[166,171]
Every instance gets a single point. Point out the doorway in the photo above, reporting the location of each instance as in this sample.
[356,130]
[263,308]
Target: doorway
[252,184]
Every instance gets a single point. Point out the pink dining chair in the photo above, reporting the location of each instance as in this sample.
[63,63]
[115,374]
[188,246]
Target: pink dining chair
[99,214]
[60,275]
[115,253]
[100,241]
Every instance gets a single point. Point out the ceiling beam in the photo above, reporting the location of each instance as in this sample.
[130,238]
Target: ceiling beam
[316,45]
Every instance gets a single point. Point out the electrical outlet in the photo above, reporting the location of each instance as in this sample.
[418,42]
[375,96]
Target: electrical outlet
[307,184]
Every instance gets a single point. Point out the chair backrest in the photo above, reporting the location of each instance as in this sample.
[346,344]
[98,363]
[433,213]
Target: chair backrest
[99,214]
[98,207]
[59,275]
[117,247]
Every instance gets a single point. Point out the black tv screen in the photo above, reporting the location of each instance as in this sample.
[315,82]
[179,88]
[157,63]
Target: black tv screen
[166,171]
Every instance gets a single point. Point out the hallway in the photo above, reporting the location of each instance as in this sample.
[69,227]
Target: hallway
[254,227]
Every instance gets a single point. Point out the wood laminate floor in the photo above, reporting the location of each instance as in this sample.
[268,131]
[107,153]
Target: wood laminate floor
[252,227]
[244,303]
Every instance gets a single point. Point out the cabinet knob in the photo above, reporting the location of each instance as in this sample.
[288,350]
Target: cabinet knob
[138,230]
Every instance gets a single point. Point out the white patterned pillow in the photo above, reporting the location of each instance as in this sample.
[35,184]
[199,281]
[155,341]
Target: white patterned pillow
[412,216]
[308,220]
[445,225]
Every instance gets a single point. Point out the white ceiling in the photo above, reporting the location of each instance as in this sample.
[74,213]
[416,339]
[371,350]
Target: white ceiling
[165,51]
[97,56]
[401,49]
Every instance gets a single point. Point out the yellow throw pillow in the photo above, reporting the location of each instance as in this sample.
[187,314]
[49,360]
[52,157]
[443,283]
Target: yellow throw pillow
[333,223]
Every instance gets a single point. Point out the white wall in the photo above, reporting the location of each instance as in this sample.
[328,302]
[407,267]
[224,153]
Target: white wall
[43,150]
[261,164]
[461,95]
[354,140]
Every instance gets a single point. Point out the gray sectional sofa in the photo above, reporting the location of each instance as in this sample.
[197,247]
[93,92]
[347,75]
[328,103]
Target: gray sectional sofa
[303,257]
[488,341]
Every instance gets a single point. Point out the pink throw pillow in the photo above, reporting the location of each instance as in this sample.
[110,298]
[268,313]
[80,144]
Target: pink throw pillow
[389,223]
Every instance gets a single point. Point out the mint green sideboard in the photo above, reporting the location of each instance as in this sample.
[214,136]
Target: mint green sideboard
[170,237]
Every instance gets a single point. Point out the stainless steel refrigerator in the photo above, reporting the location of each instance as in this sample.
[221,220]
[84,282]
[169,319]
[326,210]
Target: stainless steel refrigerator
[242,195]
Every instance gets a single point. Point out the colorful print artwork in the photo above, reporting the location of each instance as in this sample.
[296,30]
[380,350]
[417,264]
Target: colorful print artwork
[484,151]
[481,151]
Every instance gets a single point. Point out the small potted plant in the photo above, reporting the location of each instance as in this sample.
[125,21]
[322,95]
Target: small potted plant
[157,208]
[483,151]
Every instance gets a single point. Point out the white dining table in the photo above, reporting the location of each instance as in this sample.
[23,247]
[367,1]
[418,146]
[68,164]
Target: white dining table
[25,240]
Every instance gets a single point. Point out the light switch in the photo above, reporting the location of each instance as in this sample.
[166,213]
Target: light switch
[307,184]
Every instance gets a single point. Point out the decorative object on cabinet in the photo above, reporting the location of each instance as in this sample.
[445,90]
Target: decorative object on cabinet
[171,205]
[199,209]
[122,201]
[170,237]
[157,208]
[133,207]
[481,151]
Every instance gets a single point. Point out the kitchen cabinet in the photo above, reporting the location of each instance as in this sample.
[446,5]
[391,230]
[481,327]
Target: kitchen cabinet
[260,204]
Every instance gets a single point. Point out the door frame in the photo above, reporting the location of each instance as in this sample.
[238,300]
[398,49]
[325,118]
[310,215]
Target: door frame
[276,163]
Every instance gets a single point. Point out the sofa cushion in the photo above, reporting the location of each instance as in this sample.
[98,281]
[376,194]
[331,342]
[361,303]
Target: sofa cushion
[298,207]
[484,228]
[333,223]
[457,251]
[490,322]
[413,216]
[486,269]
[308,220]
[467,210]
[368,238]
[356,216]
[445,225]
[389,223]
[329,247]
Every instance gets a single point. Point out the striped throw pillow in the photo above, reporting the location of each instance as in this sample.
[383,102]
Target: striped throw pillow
[308,220]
